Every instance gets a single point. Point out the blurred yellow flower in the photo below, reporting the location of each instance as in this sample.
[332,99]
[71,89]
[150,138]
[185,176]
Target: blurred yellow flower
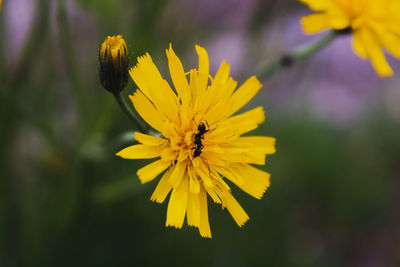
[201,139]
[375,25]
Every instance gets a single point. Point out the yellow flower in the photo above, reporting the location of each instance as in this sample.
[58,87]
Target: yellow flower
[375,25]
[201,139]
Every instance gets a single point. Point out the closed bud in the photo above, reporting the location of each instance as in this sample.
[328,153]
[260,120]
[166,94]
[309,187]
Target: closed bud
[114,64]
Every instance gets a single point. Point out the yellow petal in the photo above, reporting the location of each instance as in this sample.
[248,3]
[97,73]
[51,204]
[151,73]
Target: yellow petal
[214,158]
[194,185]
[207,182]
[147,111]
[392,43]
[315,23]
[211,192]
[229,154]
[203,171]
[177,205]
[237,125]
[358,45]
[231,173]
[376,55]
[146,76]
[163,188]
[245,93]
[154,87]
[140,152]
[149,139]
[168,154]
[339,22]
[222,75]
[253,116]
[255,181]
[318,5]
[178,174]
[193,209]
[234,208]
[151,171]
[204,227]
[256,143]
[198,91]
[178,75]
[203,66]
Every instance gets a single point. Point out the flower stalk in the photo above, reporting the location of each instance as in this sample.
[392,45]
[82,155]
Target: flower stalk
[113,74]
[139,124]
[298,54]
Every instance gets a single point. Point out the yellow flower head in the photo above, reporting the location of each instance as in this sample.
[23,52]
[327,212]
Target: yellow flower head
[375,25]
[114,63]
[201,139]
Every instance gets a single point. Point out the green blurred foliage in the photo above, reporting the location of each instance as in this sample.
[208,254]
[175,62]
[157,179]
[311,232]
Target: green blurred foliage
[68,201]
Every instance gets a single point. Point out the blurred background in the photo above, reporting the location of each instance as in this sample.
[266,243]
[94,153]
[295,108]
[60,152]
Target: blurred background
[67,200]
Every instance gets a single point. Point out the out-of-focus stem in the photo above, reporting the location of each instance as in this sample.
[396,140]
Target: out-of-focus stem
[72,66]
[300,53]
[134,118]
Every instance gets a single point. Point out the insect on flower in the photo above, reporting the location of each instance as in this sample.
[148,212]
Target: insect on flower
[197,140]
[201,142]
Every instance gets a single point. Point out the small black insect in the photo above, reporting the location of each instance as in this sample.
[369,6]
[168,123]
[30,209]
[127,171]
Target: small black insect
[197,140]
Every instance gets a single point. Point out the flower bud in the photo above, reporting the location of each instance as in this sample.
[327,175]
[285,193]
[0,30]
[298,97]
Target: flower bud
[114,63]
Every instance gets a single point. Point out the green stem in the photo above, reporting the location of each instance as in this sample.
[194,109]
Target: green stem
[298,54]
[134,118]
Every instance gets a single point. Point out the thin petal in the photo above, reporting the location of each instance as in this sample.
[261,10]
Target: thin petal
[194,185]
[139,152]
[147,111]
[203,66]
[177,175]
[391,42]
[256,143]
[253,116]
[193,209]
[245,93]
[358,45]
[376,55]
[315,23]
[235,126]
[177,205]
[204,227]
[163,188]
[151,171]
[339,21]
[146,76]
[168,154]
[178,74]
[255,181]
[222,75]
[149,139]
[234,208]
[154,87]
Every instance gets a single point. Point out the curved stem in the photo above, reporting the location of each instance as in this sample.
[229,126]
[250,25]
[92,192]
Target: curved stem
[134,118]
[298,54]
